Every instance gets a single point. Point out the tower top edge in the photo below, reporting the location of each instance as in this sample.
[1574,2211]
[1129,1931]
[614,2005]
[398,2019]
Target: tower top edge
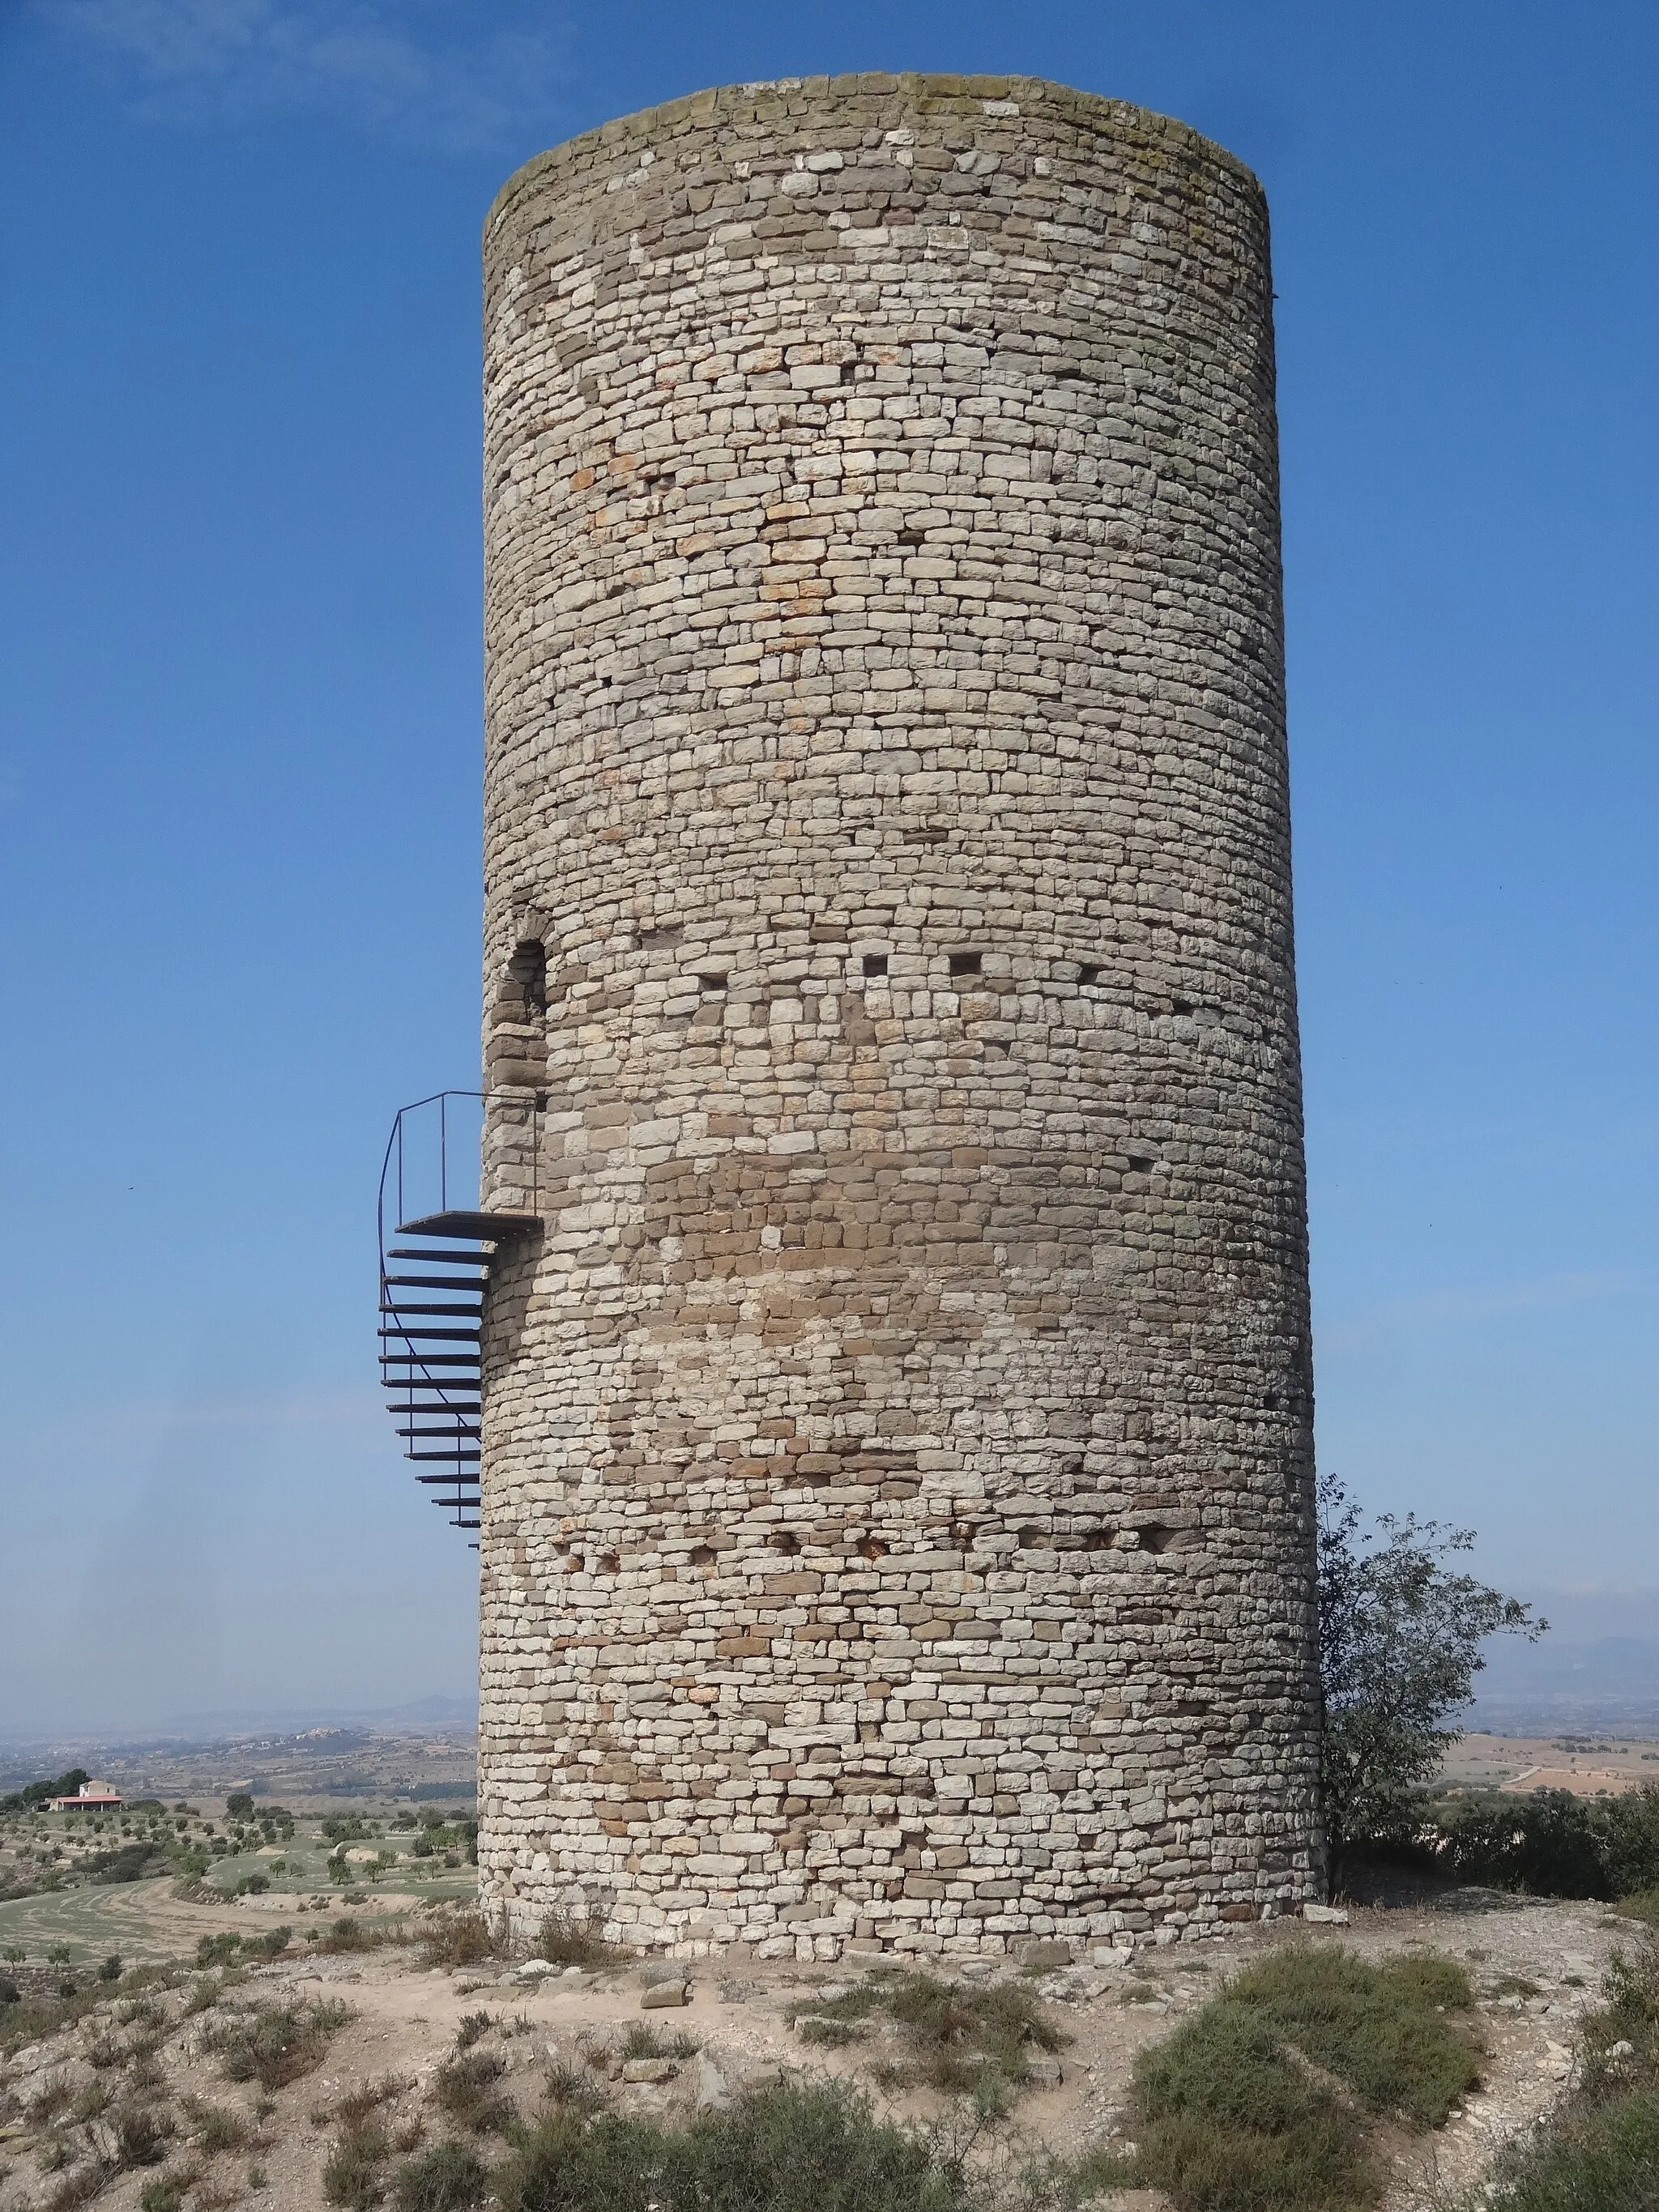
[932,97]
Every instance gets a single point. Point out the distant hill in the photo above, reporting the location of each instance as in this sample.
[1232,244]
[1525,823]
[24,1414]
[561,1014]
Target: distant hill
[1610,1682]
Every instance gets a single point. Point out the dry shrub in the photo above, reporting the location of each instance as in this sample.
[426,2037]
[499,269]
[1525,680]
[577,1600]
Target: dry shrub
[960,2040]
[448,2178]
[571,1939]
[275,2044]
[355,2174]
[217,2127]
[461,1939]
[464,2086]
[143,2133]
[77,2188]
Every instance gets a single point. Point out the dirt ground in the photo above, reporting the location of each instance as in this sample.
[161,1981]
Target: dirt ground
[1536,1966]
[1589,1766]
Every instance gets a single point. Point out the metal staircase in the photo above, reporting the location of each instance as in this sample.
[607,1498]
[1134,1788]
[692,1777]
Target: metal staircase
[430,1323]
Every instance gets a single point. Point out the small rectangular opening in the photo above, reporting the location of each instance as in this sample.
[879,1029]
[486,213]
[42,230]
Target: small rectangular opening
[966,964]
[1089,972]
[875,963]
[711,982]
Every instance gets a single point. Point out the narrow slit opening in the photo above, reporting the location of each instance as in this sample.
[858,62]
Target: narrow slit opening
[966,964]
[518,1028]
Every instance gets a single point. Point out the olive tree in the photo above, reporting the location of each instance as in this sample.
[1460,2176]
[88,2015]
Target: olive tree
[1399,1638]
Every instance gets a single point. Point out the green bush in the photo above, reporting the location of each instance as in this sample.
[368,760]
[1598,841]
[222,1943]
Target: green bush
[1226,2121]
[1379,2029]
[1234,2112]
[817,2148]
[1552,1843]
[128,1863]
[448,2178]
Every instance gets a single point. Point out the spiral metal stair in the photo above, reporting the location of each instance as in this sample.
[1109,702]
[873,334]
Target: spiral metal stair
[431,1321]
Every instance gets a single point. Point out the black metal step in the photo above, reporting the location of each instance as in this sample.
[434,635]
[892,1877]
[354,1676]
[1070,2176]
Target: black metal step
[427,1282]
[398,1308]
[450,1260]
[419,1334]
[429,1359]
[473,1228]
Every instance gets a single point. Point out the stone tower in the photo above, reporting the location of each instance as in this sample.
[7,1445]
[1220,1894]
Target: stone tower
[897,1465]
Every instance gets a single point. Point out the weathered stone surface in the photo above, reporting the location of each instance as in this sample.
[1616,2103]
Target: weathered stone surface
[712,2093]
[897,1524]
[664,1997]
[650,2070]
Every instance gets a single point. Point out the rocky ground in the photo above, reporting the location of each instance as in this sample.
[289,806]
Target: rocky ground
[669,2039]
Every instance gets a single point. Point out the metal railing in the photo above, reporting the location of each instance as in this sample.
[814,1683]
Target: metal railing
[422,1388]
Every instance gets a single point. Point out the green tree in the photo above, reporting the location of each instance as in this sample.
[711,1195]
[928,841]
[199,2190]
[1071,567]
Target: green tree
[1399,1638]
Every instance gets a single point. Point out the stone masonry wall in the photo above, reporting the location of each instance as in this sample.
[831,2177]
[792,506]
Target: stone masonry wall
[896,1525]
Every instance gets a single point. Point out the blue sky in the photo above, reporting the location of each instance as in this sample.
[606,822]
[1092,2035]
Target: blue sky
[240,683]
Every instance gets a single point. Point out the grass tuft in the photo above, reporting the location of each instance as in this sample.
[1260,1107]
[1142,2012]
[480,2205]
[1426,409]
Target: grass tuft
[642,2041]
[354,2176]
[1227,2122]
[959,2040]
[141,2134]
[217,2128]
[464,2086]
[461,1939]
[275,2044]
[572,1938]
[448,2178]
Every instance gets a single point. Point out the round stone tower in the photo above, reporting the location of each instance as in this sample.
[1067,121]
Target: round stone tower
[896,1526]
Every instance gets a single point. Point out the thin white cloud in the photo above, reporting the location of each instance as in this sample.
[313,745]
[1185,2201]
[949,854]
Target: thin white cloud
[433,71]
